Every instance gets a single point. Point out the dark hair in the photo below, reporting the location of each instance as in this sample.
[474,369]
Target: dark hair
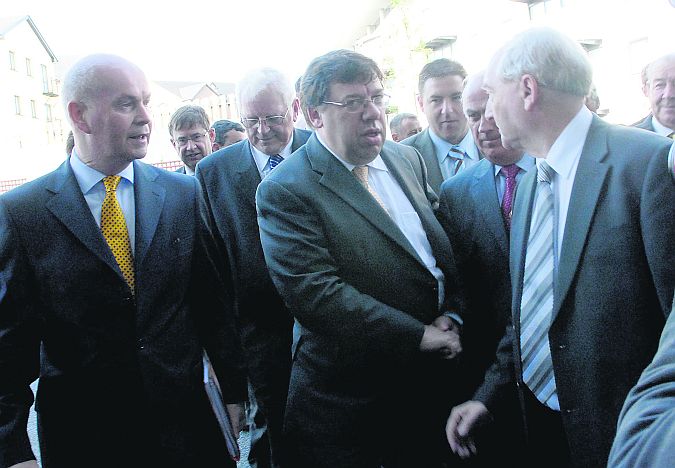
[438,69]
[338,66]
[187,117]
[221,127]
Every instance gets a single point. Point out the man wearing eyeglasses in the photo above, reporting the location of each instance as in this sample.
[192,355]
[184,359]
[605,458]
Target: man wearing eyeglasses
[191,136]
[229,178]
[353,246]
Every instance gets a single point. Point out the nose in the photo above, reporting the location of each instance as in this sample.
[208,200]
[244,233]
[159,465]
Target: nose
[486,124]
[371,111]
[143,115]
[669,90]
[489,114]
[190,144]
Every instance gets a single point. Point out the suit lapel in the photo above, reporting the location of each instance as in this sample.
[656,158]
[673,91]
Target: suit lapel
[69,206]
[149,199]
[484,189]
[337,179]
[247,174]
[428,152]
[588,183]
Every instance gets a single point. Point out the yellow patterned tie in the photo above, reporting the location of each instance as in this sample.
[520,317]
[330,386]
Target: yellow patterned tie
[361,173]
[114,229]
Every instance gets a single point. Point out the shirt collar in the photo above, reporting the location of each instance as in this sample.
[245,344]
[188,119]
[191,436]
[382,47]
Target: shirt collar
[566,150]
[262,159]
[376,163]
[525,163]
[87,177]
[660,128]
[442,147]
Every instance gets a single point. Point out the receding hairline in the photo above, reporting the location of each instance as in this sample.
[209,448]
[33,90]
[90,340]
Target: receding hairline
[664,59]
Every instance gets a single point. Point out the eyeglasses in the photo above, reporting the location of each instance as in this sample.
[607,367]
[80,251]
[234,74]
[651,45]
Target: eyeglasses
[358,104]
[270,120]
[197,138]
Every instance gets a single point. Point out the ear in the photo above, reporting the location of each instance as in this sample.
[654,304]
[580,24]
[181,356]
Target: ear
[76,111]
[394,136]
[314,117]
[296,108]
[212,136]
[420,102]
[529,92]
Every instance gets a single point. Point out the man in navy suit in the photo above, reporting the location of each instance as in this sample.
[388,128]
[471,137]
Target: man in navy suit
[191,136]
[113,324]
[591,258]
[660,90]
[230,178]
[353,246]
[475,211]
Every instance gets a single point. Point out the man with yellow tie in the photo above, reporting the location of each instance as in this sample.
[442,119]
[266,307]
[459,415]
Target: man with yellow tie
[109,291]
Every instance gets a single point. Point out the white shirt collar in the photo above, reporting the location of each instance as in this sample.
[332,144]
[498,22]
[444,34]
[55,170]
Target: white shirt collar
[442,147]
[566,151]
[262,159]
[87,177]
[525,163]
[376,163]
[660,128]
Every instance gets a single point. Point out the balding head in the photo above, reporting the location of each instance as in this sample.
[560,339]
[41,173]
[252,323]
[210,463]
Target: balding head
[106,99]
[484,130]
[660,89]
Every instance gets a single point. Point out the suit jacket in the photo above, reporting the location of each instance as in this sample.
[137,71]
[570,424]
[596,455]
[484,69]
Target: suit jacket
[646,429]
[132,364]
[645,123]
[362,296]
[229,179]
[422,143]
[181,170]
[615,280]
[471,215]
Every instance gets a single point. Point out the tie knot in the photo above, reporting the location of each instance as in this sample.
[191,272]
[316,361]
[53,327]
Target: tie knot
[672,135]
[111,182]
[544,172]
[275,160]
[456,153]
[361,173]
[510,171]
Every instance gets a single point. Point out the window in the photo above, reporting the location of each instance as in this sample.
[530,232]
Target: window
[29,69]
[12,61]
[45,79]
[48,112]
[17,105]
[33,109]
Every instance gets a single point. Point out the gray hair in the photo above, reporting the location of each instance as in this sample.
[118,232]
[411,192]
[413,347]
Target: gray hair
[264,78]
[555,61]
[397,121]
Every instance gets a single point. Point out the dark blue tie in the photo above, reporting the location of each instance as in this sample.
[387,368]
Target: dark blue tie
[275,161]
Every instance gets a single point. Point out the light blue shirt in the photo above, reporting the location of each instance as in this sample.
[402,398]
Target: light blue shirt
[446,163]
[402,213]
[91,184]
[661,129]
[262,160]
[525,164]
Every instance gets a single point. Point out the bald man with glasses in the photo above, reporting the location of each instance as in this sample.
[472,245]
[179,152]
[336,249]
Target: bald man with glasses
[229,178]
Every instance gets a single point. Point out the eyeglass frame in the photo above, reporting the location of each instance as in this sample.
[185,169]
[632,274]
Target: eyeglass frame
[191,138]
[260,120]
[344,104]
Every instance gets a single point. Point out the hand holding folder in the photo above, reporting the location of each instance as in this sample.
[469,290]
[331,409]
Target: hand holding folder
[219,408]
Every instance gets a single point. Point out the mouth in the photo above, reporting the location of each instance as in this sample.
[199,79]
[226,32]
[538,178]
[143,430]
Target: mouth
[142,137]
[373,136]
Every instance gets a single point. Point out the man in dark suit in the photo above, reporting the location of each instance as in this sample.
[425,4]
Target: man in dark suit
[446,146]
[352,244]
[109,292]
[230,178]
[646,428]
[475,210]
[191,136]
[592,266]
[660,90]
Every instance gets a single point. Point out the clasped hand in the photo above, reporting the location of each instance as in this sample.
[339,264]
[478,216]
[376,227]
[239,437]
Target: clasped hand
[442,336]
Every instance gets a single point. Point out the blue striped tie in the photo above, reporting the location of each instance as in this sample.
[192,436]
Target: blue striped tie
[275,161]
[536,305]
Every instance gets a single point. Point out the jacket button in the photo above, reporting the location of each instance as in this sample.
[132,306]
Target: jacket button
[562,346]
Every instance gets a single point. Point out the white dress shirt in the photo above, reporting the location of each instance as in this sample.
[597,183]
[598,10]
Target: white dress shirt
[563,157]
[262,160]
[661,129]
[91,184]
[402,213]
[447,164]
